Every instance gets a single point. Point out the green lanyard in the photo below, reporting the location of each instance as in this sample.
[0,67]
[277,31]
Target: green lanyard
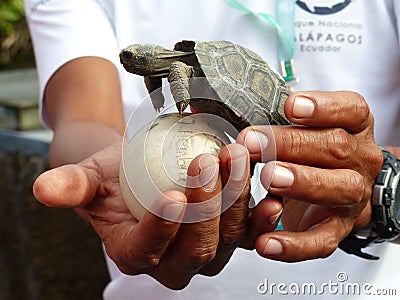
[284,26]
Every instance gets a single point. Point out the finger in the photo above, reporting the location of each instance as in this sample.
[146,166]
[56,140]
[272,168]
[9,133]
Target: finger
[319,186]
[324,147]
[319,241]
[235,174]
[139,247]
[67,186]
[343,109]
[264,218]
[197,242]
[76,185]
[336,114]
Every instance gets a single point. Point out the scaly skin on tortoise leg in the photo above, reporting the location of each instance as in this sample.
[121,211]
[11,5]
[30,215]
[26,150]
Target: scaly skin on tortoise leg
[179,74]
[153,85]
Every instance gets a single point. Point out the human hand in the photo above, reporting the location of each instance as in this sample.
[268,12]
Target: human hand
[171,252]
[325,171]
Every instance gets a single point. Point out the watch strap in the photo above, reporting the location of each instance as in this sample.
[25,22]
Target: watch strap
[382,199]
[353,244]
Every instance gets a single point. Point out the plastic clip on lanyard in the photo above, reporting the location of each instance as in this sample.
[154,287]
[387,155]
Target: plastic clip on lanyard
[284,26]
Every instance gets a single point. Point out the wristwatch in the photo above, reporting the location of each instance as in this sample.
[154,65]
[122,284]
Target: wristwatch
[385,209]
[386,199]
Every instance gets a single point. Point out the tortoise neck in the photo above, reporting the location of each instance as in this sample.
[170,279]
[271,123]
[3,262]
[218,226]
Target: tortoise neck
[164,59]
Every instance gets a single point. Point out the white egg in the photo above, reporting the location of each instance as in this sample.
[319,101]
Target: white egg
[157,157]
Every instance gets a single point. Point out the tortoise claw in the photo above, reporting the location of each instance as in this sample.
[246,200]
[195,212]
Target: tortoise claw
[182,106]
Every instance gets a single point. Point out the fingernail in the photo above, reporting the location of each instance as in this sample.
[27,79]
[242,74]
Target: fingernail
[255,141]
[274,218]
[282,178]
[208,176]
[303,107]
[273,247]
[172,212]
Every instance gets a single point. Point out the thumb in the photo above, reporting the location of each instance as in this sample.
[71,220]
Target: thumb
[67,186]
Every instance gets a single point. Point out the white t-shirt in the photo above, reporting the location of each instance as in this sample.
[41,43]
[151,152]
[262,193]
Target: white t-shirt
[340,44]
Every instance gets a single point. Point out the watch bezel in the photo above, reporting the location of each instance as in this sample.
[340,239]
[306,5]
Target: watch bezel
[395,205]
[384,198]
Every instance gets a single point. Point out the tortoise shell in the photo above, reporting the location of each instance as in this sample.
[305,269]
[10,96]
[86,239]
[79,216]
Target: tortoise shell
[243,82]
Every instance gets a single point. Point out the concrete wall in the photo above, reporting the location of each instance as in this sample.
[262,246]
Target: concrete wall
[45,253]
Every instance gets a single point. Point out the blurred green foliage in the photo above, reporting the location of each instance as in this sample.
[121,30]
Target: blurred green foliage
[10,12]
[15,43]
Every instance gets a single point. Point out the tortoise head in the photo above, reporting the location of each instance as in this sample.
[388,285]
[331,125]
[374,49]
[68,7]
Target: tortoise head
[146,59]
[139,59]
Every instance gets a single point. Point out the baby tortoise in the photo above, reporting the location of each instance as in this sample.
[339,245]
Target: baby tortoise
[236,84]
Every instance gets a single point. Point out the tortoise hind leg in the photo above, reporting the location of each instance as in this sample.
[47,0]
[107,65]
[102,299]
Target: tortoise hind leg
[153,85]
[178,78]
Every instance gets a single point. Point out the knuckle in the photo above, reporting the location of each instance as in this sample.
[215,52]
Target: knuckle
[151,261]
[356,187]
[93,164]
[236,190]
[375,160]
[362,110]
[321,246]
[131,264]
[341,144]
[207,209]
[199,257]
[132,267]
[234,224]
[293,142]
[316,182]
[369,161]
[232,237]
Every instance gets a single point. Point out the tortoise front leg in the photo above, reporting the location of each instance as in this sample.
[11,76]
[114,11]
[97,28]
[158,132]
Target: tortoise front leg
[153,85]
[178,78]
